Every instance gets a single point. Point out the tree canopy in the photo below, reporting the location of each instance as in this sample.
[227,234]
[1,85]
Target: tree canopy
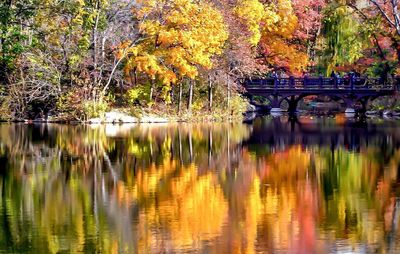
[78,57]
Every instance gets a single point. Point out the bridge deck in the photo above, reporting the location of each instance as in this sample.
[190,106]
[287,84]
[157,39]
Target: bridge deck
[317,85]
[352,91]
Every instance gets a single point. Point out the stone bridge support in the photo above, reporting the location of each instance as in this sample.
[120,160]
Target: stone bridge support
[292,102]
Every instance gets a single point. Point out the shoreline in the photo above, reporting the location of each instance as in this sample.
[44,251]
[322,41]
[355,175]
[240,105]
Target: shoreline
[104,122]
[386,115]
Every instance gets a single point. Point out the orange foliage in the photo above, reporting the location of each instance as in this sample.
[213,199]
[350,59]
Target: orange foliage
[276,43]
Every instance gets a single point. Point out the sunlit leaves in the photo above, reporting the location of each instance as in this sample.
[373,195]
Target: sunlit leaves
[179,37]
[277,44]
[252,12]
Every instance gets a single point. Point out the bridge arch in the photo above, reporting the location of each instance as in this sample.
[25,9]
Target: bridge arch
[293,100]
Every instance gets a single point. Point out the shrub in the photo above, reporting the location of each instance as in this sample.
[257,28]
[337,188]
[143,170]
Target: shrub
[74,105]
[136,95]
[238,105]
[94,108]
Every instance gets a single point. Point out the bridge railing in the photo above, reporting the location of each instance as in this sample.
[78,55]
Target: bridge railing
[310,83]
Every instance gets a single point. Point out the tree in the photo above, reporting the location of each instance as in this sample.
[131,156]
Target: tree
[178,37]
[309,14]
[277,46]
[344,38]
[389,10]
[389,13]
[379,57]
[15,23]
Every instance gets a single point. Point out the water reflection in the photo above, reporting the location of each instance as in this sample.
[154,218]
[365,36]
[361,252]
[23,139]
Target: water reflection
[311,186]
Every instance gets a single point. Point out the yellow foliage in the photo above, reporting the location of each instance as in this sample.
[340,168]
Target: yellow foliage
[256,16]
[197,211]
[252,12]
[274,25]
[179,36]
[277,36]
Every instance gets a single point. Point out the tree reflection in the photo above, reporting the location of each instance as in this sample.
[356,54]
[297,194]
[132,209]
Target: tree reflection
[207,188]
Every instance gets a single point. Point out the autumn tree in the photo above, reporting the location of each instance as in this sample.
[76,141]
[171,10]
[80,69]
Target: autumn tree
[179,38]
[79,38]
[344,38]
[15,37]
[277,46]
[388,12]
[309,14]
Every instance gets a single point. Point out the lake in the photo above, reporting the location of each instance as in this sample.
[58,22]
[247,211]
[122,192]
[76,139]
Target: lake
[309,185]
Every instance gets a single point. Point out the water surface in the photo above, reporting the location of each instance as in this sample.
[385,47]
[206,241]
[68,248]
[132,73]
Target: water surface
[326,185]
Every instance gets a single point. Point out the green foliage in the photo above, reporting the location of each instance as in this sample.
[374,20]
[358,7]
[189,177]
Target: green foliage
[238,105]
[384,103]
[4,109]
[93,108]
[343,37]
[378,68]
[198,105]
[138,95]
[14,16]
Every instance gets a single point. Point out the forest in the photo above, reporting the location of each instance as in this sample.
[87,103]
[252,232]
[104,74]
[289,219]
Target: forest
[77,59]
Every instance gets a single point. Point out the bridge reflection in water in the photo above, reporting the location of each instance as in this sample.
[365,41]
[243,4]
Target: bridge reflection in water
[281,133]
[351,91]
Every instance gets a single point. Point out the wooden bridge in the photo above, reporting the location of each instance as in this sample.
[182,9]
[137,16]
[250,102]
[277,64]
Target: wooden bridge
[352,91]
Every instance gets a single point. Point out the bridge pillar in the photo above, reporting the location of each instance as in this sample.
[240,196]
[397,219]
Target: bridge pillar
[292,104]
[364,103]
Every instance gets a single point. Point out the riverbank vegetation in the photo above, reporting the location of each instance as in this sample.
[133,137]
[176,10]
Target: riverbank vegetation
[76,59]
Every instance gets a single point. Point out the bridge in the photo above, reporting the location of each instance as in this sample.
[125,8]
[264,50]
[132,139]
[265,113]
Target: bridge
[352,91]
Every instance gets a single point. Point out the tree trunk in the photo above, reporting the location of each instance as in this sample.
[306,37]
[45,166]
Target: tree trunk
[135,76]
[210,94]
[94,38]
[180,99]
[190,96]
[151,92]
[228,137]
[121,87]
[229,92]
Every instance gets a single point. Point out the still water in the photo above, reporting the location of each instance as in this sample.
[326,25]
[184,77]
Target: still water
[276,186]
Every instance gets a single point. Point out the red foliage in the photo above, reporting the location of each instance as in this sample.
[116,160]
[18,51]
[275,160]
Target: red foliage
[309,14]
